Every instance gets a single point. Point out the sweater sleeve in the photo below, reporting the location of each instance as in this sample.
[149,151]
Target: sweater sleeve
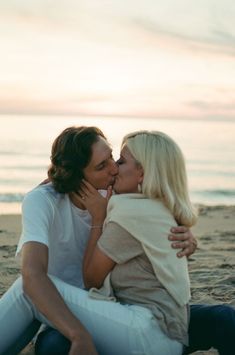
[118,244]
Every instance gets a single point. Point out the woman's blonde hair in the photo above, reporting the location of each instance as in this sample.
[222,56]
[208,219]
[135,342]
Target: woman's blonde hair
[164,172]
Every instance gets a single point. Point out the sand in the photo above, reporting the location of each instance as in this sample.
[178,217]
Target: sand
[211,267]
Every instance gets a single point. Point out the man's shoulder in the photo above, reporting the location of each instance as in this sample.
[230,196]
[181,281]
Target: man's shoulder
[45,189]
[44,200]
[44,192]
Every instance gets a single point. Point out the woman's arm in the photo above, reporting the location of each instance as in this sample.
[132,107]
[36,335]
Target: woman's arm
[96,265]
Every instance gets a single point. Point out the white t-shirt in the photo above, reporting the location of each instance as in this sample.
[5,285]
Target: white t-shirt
[52,219]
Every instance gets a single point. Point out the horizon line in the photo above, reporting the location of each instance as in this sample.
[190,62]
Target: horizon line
[113,115]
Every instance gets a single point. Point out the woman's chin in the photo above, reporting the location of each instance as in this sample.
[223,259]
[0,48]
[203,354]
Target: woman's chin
[116,189]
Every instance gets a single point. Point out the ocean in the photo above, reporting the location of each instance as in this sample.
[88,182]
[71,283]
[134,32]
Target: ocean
[208,146]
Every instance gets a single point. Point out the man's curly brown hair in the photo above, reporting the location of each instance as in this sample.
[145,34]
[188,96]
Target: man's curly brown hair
[71,153]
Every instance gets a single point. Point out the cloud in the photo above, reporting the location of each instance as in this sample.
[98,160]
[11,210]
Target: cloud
[217,41]
[225,38]
[205,23]
[210,105]
[82,56]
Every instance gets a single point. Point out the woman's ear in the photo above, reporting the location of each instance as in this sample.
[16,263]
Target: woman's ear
[141,174]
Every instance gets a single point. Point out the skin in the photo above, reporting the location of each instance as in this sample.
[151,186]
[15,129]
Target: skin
[97,265]
[102,169]
[100,174]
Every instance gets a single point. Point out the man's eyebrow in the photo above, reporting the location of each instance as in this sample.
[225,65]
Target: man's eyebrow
[103,161]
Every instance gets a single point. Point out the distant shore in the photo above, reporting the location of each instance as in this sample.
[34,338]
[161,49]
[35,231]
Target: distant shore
[211,267]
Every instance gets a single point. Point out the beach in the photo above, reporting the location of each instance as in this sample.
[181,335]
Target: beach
[211,267]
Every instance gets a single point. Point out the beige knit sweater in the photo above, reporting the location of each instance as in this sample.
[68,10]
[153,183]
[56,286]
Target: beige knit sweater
[149,221]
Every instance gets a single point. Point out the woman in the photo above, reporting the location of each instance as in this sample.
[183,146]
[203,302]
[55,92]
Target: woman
[144,270]
[151,315]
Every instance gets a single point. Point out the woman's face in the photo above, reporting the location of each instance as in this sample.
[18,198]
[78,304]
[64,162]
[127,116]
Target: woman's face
[130,173]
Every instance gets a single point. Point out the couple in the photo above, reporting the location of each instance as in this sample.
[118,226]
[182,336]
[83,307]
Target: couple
[132,254]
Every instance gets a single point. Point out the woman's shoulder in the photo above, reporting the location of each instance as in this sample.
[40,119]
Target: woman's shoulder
[137,204]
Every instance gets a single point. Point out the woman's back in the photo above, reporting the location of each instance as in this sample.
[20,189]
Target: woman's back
[134,279]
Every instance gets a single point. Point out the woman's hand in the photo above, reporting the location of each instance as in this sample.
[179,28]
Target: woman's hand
[183,238]
[93,201]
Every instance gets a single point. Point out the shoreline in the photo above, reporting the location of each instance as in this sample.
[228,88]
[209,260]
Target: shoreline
[211,267]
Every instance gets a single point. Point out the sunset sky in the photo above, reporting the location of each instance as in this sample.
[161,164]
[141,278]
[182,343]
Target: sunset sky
[173,59]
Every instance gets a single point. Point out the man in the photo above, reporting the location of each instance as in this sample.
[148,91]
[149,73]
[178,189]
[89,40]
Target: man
[55,232]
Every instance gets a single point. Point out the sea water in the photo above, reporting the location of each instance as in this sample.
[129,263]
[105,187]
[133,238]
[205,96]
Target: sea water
[208,147]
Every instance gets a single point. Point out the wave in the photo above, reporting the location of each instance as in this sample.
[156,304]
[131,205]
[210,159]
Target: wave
[24,167]
[213,196]
[213,172]
[217,192]
[9,197]
[20,153]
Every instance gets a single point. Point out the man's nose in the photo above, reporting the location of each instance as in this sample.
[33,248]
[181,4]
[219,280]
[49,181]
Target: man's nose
[114,168]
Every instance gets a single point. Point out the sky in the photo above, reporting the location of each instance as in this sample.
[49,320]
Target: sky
[163,59]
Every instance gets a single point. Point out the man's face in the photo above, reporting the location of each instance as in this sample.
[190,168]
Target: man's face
[102,169]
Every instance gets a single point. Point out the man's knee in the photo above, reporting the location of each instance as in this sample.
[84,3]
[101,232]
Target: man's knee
[212,326]
[51,342]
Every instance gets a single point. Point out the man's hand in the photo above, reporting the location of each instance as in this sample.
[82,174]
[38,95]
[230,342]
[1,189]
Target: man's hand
[84,346]
[183,238]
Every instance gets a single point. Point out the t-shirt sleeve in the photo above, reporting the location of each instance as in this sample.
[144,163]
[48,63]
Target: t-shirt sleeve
[118,244]
[37,217]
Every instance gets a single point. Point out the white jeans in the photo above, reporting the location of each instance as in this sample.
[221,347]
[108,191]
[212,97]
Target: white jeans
[115,328]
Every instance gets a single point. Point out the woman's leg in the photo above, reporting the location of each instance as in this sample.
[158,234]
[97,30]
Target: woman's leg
[117,329]
[51,342]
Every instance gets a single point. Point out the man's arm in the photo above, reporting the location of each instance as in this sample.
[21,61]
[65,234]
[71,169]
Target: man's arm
[44,295]
[182,238]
